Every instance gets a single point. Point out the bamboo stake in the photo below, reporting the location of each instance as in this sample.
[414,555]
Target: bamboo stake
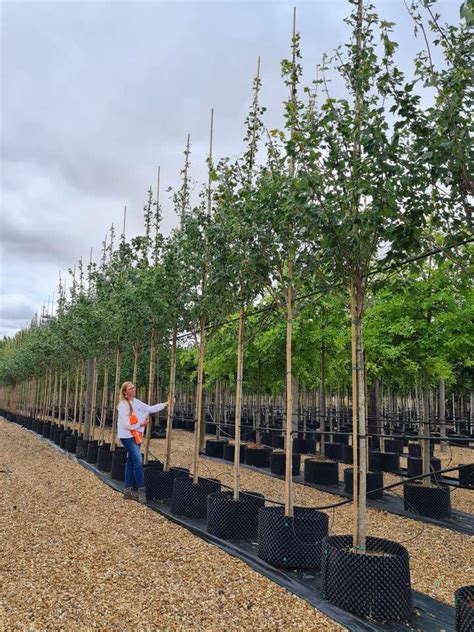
[151,379]
[238,404]
[103,411]
[76,397]
[116,392]
[355,442]
[93,400]
[172,385]
[81,419]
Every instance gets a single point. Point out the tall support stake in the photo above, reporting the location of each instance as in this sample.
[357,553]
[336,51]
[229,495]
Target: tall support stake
[238,403]
[151,379]
[171,394]
[103,409]
[89,394]
[116,394]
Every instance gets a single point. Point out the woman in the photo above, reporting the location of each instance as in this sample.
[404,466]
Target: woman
[131,421]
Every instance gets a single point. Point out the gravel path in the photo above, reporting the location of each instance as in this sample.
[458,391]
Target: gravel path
[75,556]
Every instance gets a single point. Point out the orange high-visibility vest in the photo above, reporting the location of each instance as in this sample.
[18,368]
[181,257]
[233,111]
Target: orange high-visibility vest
[133,419]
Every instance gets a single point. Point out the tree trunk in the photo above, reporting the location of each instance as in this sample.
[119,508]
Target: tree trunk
[289,402]
[171,392]
[103,410]
[151,379]
[118,359]
[199,400]
[238,402]
[425,442]
[358,416]
[322,398]
[89,397]
[442,414]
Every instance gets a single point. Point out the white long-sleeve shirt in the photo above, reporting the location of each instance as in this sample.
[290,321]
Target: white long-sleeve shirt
[140,409]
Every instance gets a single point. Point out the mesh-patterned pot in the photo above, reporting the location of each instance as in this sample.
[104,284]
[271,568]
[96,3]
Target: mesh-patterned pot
[104,458]
[333,451]
[190,499]
[341,438]
[374,443]
[64,435]
[278,463]
[414,449]
[258,457]
[215,447]
[464,602]
[39,427]
[432,502]
[390,462]
[57,432]
[81,448]
[375,461]
[231,519]
[347,455]
[117,468]
[321,472]
[394,445]
[415,467]
[71,442]
[266,438]
[291,542]
[93,451]
[46,430]
[374,483]
[466,475]
[278,442]
[374,585]
[229,452]
[301,446]
[159,484]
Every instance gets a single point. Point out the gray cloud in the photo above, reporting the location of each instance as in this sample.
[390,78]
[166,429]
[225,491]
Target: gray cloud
[95,95]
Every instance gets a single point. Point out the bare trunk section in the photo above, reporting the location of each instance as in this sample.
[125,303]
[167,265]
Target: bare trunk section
[442,414]
[118,359]
[322,398]
[238,403]
[171,392]
[425,442]
[199,399]
[103,409]
[151,379]
[289,402]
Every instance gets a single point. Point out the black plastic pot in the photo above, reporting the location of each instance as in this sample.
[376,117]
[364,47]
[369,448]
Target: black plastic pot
[373,586]
[341,438]
[303,446]
[46,430]
[93,451]
[375,461]
[258,457]
[374,443]
[104,458]
[291,542]
[390,462]
[215,447]
[432,502]
[394,445]
[464,602]
[374,483]
[321,472]
[333,451]
[278,442]
[190,499]
[39,427]
[414,449]
[231,519]
[57,432]
[229,452]
[415,467]
[266,438]
[347,454]
[466,475]
[71,442]
[81,448]
[63,437]
[278,463]
[117,468]
[159,484]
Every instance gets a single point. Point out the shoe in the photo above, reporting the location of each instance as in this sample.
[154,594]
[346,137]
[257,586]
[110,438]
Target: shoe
[129,493]
[142,495]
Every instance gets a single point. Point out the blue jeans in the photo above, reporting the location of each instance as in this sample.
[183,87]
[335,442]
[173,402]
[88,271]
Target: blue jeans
[134,465]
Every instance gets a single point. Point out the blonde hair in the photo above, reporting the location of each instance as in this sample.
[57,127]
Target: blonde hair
[122,397]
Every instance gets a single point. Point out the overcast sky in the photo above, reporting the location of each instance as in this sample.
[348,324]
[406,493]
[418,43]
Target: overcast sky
[96,94]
